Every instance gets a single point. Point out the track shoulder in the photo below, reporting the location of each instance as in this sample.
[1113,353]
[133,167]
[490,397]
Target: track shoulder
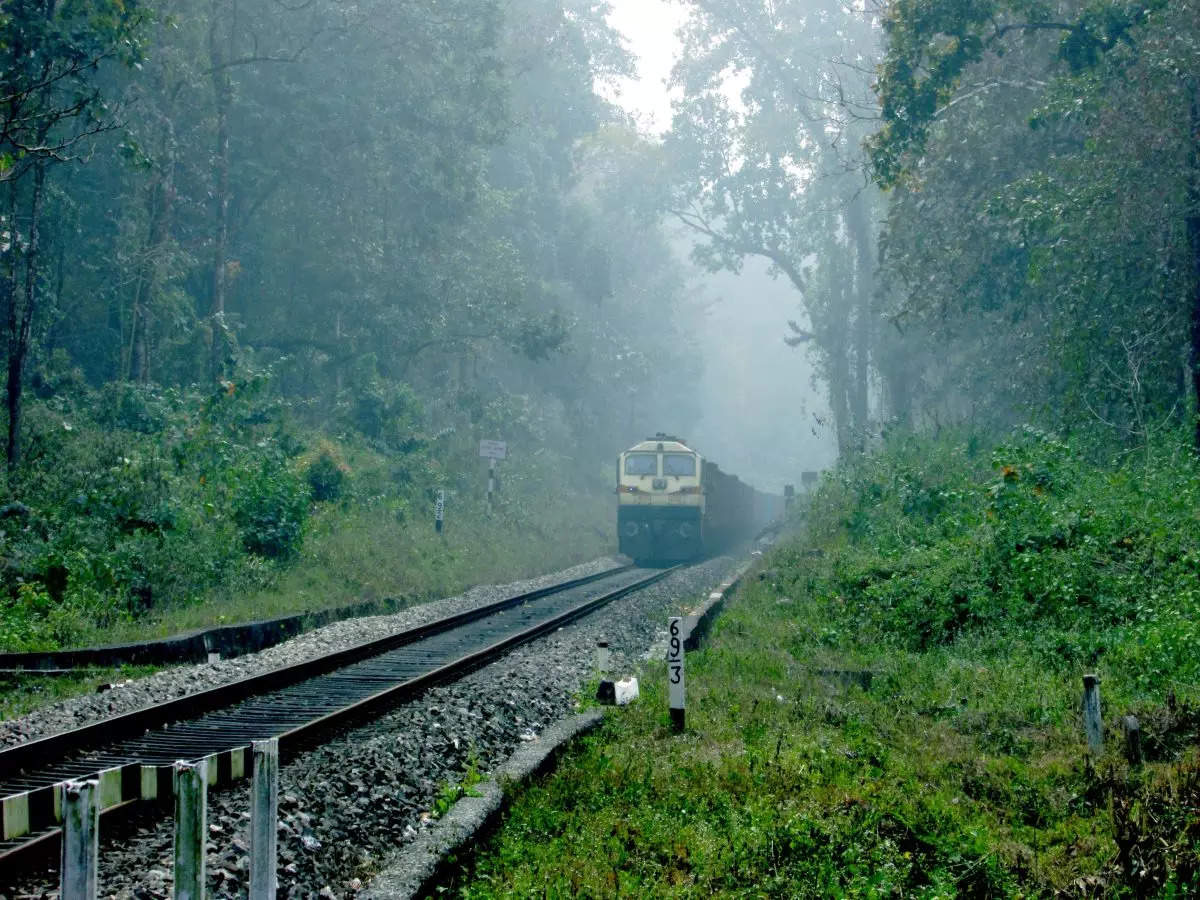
[415,866]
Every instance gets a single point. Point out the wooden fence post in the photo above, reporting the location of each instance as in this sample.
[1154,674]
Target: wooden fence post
[264,816]
[1093,724]
[1133,739]
[191,828]
[80,837]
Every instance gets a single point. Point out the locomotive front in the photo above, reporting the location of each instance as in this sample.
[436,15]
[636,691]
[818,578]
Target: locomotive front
[660,501]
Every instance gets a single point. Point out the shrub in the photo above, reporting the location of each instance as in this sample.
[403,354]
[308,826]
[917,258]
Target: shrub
[326,478]
[271,509]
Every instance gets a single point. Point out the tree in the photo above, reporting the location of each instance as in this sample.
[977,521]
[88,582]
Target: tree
[50,110]
[1043,216]
[776,172]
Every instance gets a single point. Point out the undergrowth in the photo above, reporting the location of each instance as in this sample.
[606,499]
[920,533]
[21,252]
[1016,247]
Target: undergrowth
[141,511]
[891,704]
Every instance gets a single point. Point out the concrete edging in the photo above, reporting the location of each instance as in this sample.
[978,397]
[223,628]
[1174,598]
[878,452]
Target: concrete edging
[194,646]
[411,870]
[697,623]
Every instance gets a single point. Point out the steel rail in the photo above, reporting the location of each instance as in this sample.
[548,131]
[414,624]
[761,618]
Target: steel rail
[58,746]
[44,843]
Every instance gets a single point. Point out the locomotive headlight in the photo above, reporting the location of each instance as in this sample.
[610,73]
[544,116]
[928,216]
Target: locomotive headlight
[686,530]
[631,529]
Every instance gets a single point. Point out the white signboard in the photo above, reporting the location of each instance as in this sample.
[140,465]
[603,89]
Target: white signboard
[493,449]
[675,661]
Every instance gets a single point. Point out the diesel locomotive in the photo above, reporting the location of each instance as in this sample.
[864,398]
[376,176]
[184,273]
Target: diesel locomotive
[674,505]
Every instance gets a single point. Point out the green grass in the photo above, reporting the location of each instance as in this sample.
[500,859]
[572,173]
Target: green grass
[19,694]
[352,555]
[961,769]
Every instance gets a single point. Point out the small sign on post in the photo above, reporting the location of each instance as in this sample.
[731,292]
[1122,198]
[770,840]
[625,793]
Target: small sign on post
[675,671]
[492,451]
[439,509]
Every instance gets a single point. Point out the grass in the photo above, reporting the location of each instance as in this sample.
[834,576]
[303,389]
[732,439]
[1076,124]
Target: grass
[20,694]
[960,768]
[354,555]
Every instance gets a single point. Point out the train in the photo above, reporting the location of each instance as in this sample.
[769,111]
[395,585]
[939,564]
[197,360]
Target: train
[673,505]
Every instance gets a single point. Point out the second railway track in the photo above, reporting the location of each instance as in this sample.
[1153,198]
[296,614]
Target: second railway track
[132,753]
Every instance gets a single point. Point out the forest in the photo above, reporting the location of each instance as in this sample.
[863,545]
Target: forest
[271,270]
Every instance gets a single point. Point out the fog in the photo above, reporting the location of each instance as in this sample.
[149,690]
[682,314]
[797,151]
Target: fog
[763,415]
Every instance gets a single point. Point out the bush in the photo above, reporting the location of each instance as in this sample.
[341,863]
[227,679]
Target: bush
[271,509]
[326,478]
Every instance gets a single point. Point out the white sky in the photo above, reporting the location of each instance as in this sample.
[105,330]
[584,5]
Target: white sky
[649,29]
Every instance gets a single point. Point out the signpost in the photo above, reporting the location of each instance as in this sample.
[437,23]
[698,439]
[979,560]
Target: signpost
[492,451]
[675,671]
[439,508]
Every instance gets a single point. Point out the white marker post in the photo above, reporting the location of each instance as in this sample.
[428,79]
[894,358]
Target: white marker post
[80,833]
[675,671]
[492,451]
[439,509]
[264,819]
[191,828]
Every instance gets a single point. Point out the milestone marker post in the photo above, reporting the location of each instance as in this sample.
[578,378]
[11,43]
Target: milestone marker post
[675,685]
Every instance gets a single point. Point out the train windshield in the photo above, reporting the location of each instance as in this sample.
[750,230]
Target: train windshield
[641,464]
[679,464]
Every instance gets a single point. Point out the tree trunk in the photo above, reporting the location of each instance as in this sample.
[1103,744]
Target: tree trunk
[161,201]
[839,373]
[21,306]
[1193,232]
[222,98]
[859,230]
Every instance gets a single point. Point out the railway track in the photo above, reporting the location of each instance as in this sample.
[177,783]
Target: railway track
[132,754]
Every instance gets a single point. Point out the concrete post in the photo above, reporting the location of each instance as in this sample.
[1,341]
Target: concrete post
[191,828]
[1093,725]
[602,657]
[80,840]
[264,816]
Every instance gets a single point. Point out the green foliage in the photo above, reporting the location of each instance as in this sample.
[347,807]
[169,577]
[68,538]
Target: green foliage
[270,507]
[326,478]
[973,585]
[1009,259]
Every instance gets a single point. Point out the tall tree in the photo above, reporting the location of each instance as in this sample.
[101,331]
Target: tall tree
[765,141]
[50,109]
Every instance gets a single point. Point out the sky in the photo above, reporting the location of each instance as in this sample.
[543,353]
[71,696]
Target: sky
[649,28]
[762,418]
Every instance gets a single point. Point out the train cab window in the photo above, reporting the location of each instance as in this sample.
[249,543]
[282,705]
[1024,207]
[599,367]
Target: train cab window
[679,464]
[641,464]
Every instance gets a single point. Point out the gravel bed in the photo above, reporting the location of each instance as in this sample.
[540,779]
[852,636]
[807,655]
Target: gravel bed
[180,680]
[347,806]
